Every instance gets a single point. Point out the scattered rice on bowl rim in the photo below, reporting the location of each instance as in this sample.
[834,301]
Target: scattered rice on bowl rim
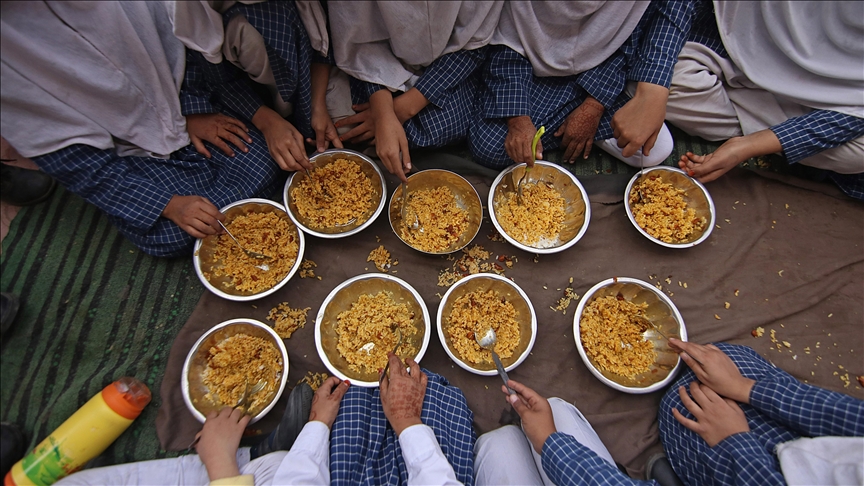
[237,360]
[264,233]
[369,321]
[475,312]
[611,330]
[538,221]
[333,195]
[441,219]
[662,211]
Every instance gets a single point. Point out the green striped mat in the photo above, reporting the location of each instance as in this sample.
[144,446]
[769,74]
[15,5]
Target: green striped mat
[95,309]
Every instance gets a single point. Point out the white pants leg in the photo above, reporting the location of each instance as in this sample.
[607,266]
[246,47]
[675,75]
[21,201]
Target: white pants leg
[660,152]
[503,457]
[180,471]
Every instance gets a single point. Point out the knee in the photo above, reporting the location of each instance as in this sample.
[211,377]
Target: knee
[662,148]
[487,147]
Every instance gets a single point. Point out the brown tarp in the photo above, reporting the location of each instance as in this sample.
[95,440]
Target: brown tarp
[792,249]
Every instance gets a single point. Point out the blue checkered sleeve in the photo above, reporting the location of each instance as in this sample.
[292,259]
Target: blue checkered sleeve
[446,73]
[568,462]
[230,86]
[742,459]
[194,93]
[508,79]
[606,81]
[361,91]
[809,134]
[666,27]
[109,182]
[806,409]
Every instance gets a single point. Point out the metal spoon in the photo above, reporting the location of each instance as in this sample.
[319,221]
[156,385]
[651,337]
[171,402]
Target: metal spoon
[252,254]
[404,210]
[395,348]
[487,341]
[537,136]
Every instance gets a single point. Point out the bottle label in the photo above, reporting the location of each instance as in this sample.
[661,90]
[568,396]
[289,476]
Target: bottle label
[48,463]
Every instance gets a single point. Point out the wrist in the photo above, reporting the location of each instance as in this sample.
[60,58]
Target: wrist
[220,469]
[265,117]
[743,390]
[519,120]
[593,104]
[401,424]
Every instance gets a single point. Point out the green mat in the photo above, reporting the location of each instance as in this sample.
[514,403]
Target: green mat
[94,308]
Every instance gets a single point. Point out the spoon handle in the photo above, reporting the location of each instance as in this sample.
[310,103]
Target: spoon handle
[501,372]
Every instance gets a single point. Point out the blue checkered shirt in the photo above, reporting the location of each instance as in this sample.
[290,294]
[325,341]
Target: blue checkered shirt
[289,52]
[567,462]
[450,84]
[781,409]
[364,448]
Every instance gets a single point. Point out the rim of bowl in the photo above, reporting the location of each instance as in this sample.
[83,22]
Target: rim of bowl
[531,249]
[577,337]
[442,338]
[320,316]
[693,243]
[468,242]
[301,247]
[279,344]
[366,224]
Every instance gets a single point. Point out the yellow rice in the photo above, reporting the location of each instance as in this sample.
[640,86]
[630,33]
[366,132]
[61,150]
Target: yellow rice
[335,194]
[611,329]
[538,221]
[264,233]
[371,319]
[662,211]
[475,312]
[237,360]
[441,220]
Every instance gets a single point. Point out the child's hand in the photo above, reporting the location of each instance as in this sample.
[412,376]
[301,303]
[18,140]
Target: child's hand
[325,402]
[716,417]
[219,440]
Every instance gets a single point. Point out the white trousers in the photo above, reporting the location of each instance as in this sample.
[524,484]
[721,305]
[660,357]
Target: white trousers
[505,456]
[661,151]
[711,98]
[179,471]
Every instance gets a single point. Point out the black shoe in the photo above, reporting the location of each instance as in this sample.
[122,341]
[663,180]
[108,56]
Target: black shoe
[13,446]
[24,187]
[295,417]
[8,310]
[659,469]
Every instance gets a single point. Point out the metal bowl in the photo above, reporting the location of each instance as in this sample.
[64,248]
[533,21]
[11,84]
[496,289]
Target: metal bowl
[320,160]
[576,208]
[661,312]
[508,290]
[205,262]
[341,298]
[466,198]
[695,195]
[194,390]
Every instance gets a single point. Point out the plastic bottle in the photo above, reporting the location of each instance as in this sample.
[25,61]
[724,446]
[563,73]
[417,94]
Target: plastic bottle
[84,435]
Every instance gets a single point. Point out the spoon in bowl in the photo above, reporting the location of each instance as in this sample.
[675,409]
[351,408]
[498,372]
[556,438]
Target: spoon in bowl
[487,341]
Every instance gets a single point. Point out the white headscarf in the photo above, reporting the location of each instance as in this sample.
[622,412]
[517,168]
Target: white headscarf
[811,53]
[566,38]
[387,42]
[104,74]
